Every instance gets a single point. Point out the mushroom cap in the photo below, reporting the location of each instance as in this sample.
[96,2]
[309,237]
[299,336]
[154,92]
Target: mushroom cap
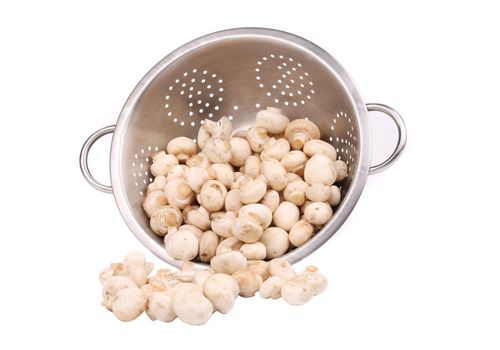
[271,200]
[297,291]
[201,276]
[294,161]
[154,200]
[252,191]
[182,147]
[129,303]
[186,287]
[192,307]
[276,149]
[286,215]
[159,183]
[259,267]
[320,168]
[342,170]
[300,232]
[228,244]
[335,195]
[272,120]
[179,193]
[199,160]
[257,137]
[196,177]
[252,166]
[208,244]
[223,225]
[318,213]
[304,127]
[160,307]
[164,217]
[271,288]
[212,195]
[295,192]
[276,241]
[275,174]
[240,151]
[182,245]
[254,251]
[218,150]
[221,289]
[116,283]
[232,201]
[162,163]
[203,136]
[258,212]
[222,129]
[317,280]
[247,230]
[223,173]
[318,192]
[248,281]
[282,268]
[229,262]
[313,147]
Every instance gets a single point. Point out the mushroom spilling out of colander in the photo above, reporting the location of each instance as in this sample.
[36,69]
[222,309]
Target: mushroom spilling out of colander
[235,73]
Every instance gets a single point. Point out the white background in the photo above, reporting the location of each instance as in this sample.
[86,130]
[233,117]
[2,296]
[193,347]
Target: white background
[416,266]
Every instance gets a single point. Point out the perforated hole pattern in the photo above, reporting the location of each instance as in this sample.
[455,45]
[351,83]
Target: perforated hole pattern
[200,95]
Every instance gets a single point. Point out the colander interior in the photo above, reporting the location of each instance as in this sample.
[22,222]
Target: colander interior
[233,76]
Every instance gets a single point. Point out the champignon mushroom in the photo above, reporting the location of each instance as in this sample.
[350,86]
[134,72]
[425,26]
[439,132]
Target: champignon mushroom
[292,177]
[254,251]
[199,160]
[320,168]
[252,191]
[201,277]
[221,289]
[182,245]
[233,200]
[272,120]
[197,232]
[113,285]
[223,225]
[136,268]
[318,192]
[154,200]
[186,273]
[286,215]
[158,184]
[274,173]
[177,171]
[240,151]
[223,173]
[318,213]
[259,267]
[179,193]
[334,198]
[248,281]
[271,288]
[162,163]
[227,245]
[208,244]
[197,176]
[229,262]
[192,307]
[259,212]
[294,161]
[295,192]
[276,241]
[252,166]
[186,287]
[257,137]
[222,129]
[300,232]
[271,200]
[197,216]
[275,149]
[212,195]
[342,170]
[314,147]
[299,131]
[203,134]
[218,150]
[129,303]
[165,218]
[247,230]
[315,279]
[160,307]
[181,147]
[282,268]
[297,291]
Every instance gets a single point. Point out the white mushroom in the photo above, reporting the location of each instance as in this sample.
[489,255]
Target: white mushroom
[187,287]
[199,160]
[334,198]
[165,218]
[197,231]
[154,200]
[186,273]
[318,213]
[212,195]
[274,173]
[136,269]
[113,285]
[292,177]
[248,281]
[318,192]
[259,267]
[320,168]
[201,277]
[182,245]
[262,178]
[282,268]
[254,251]
[297,291]
[224,174]
[286,215]
[252,166]
[163,280]
[257,137]
[177,171]
[272,120]
[227,245]
[275,149]
[229,262]
[196,216]
[221,289]
[252,191]
[233,200]
[300,232]
[314,147]
[208,244]
[197,176]
[242,133]
[223,225]
[295,192]
[276,241]
[342,170]
[218,150]
[222,129]
[271,200]
[204,134]
[162,163]
[129,303]
[299,131]
[238,178]
[271,288]
[259,212]
[192,307]
[304,206]
[294,162]
[315,279]
[159,183]
[240,151]
[160,307]
[181,147]
[179,193]
[247,230]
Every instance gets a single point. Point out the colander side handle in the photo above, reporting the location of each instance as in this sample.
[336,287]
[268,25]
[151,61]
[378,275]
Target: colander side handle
[400,124]
[84,155]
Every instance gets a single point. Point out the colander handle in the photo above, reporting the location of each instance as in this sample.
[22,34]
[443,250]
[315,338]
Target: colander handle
[84,155]
[400,124]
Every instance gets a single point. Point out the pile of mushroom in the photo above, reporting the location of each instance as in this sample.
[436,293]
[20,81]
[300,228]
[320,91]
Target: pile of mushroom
[193,295]
[253,194]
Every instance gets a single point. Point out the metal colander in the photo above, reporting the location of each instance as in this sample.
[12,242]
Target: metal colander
[236,73]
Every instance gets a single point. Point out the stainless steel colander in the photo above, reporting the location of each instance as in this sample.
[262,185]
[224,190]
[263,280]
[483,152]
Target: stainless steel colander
[235,73]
